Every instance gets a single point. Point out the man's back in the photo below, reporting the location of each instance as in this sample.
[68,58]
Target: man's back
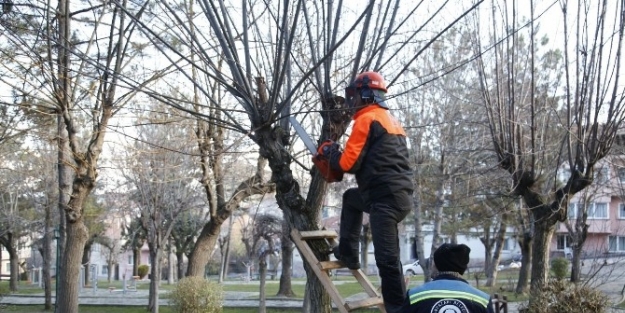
[447,294]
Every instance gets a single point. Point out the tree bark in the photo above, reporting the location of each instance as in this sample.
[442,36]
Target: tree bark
[110,271]
[170,263]
[86,258]
[14,264]
[46,255]
[286,248]
[202,250]
[544,229]
[262,272]
[576,263]
[526,260]
[491,271]
[180,264]
[67,299]
[136,261]
[155,278]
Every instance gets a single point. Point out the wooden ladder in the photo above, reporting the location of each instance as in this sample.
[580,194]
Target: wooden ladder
[322,270]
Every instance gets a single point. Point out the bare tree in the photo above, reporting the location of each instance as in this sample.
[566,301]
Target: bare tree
[533,131]
[110,254]
[186,229]
[163,186]
[266,229]
[306,53]
[77,76]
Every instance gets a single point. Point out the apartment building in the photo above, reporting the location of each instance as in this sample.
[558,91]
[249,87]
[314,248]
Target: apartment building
[603,203]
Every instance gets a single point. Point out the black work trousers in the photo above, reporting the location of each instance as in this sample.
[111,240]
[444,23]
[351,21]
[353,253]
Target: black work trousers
[384,215]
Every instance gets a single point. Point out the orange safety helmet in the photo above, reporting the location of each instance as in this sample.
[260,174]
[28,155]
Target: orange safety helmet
[370,79]
[372,89]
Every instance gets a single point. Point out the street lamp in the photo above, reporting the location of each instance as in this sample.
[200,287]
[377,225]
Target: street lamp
[57,235]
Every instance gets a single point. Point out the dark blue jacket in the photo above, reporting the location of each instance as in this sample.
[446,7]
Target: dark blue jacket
[447,294]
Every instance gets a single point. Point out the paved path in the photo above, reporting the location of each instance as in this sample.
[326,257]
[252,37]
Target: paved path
[140,298]
[609,278]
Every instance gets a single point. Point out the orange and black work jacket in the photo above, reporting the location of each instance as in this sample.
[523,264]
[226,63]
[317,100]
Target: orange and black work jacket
[447,293]
[377,153]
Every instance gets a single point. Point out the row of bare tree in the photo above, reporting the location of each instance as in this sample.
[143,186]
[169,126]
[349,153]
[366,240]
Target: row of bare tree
[493,110]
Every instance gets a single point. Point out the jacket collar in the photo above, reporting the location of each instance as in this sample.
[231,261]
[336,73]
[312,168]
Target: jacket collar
[449,277]
[366,109]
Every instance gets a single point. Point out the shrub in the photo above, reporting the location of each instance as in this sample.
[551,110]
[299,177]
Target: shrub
[564,297]
[196,295]
[560,268]
[143,270]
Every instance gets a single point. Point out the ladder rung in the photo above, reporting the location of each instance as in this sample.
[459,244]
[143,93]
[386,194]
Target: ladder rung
[318,234]
[352,305]
[331,265]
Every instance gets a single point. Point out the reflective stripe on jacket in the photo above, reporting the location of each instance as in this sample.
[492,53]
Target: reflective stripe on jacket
[447,294]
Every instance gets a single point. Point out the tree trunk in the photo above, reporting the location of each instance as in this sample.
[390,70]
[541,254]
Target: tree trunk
[14,264]
[155,278]
[287,246]
[65,178]
[316,299]
[180,264]
[579,235]
[224,261]
[488,248]
[170,264]
[300,213]
[67,299]
[46,255]
[491,271]
[262,272]
[110,271]
[202,250]
[136,261]
[526,261]
[86,258]
[544,229]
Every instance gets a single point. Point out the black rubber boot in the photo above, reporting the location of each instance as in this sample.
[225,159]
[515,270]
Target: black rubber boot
[349,261]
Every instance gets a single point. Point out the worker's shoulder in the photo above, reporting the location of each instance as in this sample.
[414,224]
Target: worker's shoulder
[450,285]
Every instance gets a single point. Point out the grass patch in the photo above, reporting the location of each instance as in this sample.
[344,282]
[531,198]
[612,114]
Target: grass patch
[23,287]
[141,309]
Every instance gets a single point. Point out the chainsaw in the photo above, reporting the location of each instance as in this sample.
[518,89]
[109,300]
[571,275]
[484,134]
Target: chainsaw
[321,163]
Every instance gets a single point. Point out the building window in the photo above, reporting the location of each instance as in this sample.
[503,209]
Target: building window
[508,244]
[105,269]
[8,267]
[602,175]
[572,211]
[564,241]
[616,243]
[621,174]
[130,260]
[598,211]
[621,210]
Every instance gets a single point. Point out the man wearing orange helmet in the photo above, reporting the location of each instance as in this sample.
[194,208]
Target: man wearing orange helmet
[376,152]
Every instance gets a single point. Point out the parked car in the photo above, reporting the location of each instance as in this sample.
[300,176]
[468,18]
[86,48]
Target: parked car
[410,268]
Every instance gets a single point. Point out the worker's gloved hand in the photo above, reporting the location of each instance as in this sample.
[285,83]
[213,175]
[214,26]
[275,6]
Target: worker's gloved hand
[327,148]
[332,152]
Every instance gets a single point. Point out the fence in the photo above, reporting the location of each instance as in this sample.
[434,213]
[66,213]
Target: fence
[500,303]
